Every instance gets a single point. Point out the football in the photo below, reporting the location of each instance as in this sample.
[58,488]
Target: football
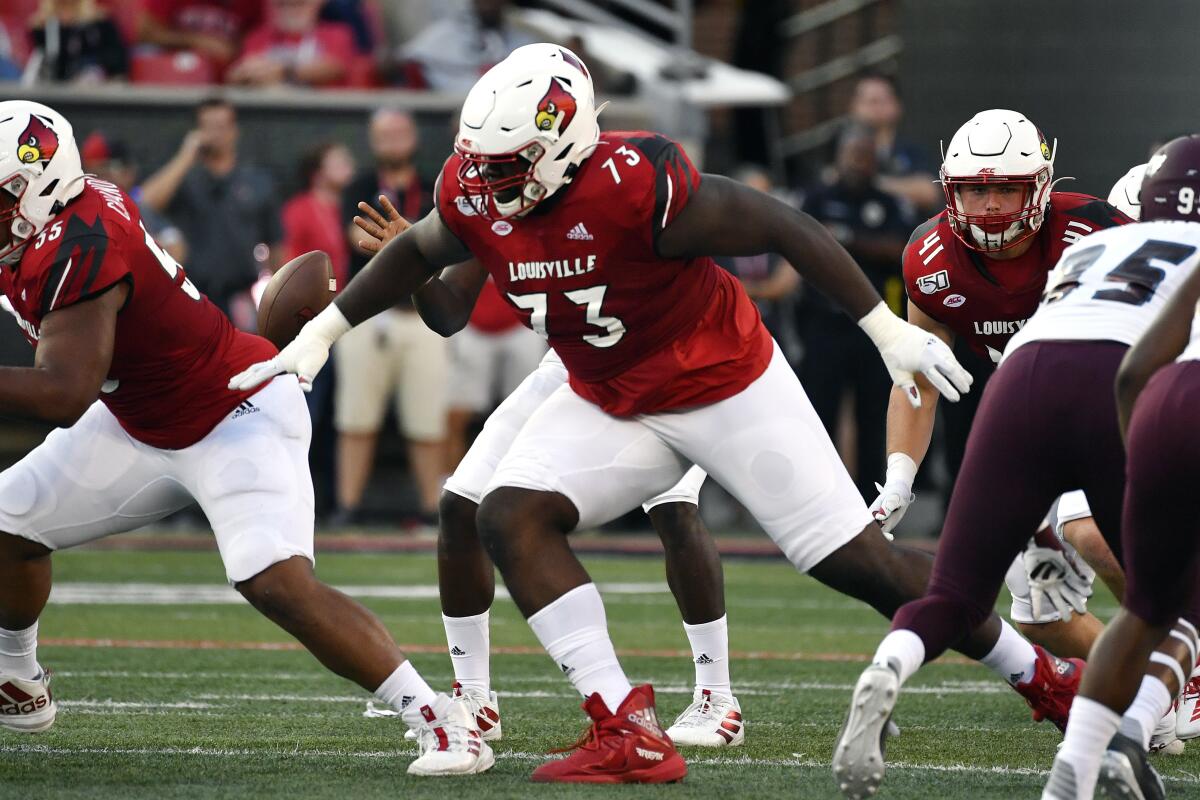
[300,290]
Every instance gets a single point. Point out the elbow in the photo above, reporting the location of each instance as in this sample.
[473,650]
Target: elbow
[448,328]
[68,405]
[67,412]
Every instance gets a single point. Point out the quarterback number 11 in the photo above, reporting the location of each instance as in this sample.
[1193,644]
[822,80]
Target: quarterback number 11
[590,298]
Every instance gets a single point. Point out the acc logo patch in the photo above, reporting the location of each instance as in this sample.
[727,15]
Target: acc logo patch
[501,228]
[932,284]
[954,300]
[556,105]
[38,142]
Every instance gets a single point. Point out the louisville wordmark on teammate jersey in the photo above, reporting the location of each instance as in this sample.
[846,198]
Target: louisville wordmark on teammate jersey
[986,300]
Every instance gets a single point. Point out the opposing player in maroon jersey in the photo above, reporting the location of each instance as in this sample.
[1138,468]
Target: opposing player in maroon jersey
[602,244]
[131,361]
[976,271]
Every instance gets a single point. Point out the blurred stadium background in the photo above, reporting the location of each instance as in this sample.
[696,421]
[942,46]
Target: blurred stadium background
[768,83]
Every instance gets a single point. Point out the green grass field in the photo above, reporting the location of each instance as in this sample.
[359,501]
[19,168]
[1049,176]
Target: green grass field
[218,713]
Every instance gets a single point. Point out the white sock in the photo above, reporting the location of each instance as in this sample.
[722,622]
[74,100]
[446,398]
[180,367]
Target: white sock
[18,653]
[574,631]
[407,692]
[469,642]
[1013,658]
[1141,718]
[1089,730]
[710,653]
[903,651]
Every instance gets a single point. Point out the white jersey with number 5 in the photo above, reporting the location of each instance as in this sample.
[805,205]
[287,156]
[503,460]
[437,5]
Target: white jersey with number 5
[1111,285]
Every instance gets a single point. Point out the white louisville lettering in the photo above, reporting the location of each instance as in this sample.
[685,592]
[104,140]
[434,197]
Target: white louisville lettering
[540,270]
[998,327]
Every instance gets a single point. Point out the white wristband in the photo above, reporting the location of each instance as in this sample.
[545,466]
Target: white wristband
[328,326]
[901,467]
[880,324]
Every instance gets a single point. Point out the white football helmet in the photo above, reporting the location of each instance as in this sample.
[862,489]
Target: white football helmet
[1125,193]
[39,168]
[997,146]
[526,126]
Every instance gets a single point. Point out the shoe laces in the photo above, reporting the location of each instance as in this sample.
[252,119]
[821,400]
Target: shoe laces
[703,711]
[588,740]
[457,737]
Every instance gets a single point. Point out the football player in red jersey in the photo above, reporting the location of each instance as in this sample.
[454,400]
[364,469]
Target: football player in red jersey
[466,576]
[603,245]
[129,358]
[977,271]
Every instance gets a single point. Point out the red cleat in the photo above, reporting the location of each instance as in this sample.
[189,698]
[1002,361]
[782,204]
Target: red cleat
[1054,685]
[626,747]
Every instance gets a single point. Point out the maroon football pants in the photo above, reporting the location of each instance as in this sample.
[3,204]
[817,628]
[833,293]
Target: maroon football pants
[1047,424]
[1161,530]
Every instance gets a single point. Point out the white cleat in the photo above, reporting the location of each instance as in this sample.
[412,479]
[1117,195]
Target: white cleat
[451,744]
[712,720]
[26,706]
[858,754]
[1165,740]
[1188,723]
[485,708]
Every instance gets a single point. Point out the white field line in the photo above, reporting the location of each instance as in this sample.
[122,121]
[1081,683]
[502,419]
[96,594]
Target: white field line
[96,593]
[748,688]
[798,760]
[123,709]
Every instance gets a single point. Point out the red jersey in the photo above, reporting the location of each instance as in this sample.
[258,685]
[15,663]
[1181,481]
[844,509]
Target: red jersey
[638,333]
[174,351]
[228,19]
[310,223]
[985,300]
[329,41]
[492,314]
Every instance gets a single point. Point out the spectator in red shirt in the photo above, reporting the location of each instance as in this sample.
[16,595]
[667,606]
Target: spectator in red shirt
[313,220]
[212,28]
[296,47]
[488,360]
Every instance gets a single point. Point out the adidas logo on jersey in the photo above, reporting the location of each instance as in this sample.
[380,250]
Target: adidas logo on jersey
[245,407]
[457,651]
[704,658]
[580,233]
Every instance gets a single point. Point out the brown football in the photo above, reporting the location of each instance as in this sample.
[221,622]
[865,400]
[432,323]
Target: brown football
[300,290]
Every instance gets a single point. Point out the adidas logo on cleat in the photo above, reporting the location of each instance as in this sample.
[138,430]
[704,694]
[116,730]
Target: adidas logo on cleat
[704,658]
[579,233]
[645,718]
[457,651]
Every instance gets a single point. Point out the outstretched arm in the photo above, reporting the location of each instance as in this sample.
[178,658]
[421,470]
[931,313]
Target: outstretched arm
[73,355]
[446,301]
[727,218]
[1161,344]
[723,217]
[400,267]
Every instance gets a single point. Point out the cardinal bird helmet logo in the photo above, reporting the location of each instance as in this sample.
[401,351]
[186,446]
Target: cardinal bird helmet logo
[557,105]
[38,142]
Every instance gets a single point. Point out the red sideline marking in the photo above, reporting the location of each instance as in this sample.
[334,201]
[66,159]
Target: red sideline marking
[212,644]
